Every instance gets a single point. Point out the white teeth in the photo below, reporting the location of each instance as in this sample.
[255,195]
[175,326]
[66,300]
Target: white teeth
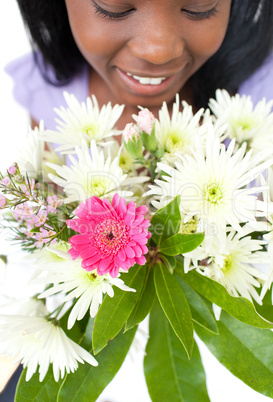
[147,80]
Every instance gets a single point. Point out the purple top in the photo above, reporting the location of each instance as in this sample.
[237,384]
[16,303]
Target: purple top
[39,97]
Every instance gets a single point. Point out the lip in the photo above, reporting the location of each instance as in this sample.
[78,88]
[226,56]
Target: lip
[145,89]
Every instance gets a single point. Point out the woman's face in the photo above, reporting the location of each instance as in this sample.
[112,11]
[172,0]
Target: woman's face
[145,51]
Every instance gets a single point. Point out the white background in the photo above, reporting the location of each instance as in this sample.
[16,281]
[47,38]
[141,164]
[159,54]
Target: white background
[129,385]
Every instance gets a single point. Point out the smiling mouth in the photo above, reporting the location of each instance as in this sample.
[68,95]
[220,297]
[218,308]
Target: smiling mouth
[147,80]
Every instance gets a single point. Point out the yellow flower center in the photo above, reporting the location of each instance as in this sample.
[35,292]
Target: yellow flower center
[175,142]
[213,193]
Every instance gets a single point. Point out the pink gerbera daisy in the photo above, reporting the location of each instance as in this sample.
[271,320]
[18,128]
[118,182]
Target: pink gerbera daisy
[112,236]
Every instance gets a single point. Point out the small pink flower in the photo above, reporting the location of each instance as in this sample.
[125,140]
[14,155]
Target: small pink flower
[3,201]
[53,203]
[12,170]
[112,236]
[145,120]
[5,181]
[130,132]
[43,237]
[40,218]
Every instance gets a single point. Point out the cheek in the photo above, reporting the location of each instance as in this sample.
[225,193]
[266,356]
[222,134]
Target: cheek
[207,38]
[94,40]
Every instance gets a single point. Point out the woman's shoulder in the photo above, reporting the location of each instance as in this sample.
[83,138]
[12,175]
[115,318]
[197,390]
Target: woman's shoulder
[33,91]
[260,84]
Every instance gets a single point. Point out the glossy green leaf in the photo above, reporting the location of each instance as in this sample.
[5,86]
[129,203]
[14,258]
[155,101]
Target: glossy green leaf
[169,261]
[238,307]
[166,221]
[244,350]
[174,305]
[181,243]
[33,390]
[170,375]
[87,383]
[114,312]
[201,314]
[266,310]
[145,301]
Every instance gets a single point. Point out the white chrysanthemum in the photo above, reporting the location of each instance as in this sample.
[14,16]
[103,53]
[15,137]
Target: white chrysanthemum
[67,276]
[245,123]
[27,307]
[211,184]
[178,133]
[267,227]
[83,122]
[32,154]
[90,175]
[35,341]
[234,267]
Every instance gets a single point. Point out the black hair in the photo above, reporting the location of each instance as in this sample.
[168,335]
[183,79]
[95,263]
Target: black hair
[247,43]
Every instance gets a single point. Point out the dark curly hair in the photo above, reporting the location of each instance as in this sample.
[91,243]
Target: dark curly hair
[247,43]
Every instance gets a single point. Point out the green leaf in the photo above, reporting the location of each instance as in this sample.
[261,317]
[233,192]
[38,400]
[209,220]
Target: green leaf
[266,310]
[4,258]
[166,221]
[201,314]
[87,383]
[181,243]
[145,301]
[35,230]
[244,350]
[113,312]
[238,307]
[33,390]
[174,305]
[170,375]
[169,261]
[78,330]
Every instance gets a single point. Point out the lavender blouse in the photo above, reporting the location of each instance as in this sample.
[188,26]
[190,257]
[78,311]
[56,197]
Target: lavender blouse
[39,97]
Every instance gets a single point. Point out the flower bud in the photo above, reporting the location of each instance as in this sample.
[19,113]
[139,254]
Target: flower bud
[132,141]
[13,169]
[145,120]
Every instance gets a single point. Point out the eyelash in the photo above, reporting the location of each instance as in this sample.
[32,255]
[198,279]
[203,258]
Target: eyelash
[198,16]
[201,16]
[110,15]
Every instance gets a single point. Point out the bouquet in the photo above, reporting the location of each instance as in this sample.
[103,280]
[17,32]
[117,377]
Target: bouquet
[171,220]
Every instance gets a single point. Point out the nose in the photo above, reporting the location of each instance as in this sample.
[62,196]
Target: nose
[158,42]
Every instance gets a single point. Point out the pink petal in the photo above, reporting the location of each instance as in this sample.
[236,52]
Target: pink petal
[104,263]
[74,254]
[142,209]
[122,255]
[92,260]
[141,260]
[114,272]
[138,251]
[88,252]
[88,267]
[129,252]
[79,239]
[137,221]
[121,209]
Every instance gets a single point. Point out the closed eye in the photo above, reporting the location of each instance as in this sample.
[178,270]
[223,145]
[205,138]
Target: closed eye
[109,14]
[197,15]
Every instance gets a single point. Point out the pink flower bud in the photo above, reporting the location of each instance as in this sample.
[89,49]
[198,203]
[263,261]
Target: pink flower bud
[12,170]
[145,120]
[130,132]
